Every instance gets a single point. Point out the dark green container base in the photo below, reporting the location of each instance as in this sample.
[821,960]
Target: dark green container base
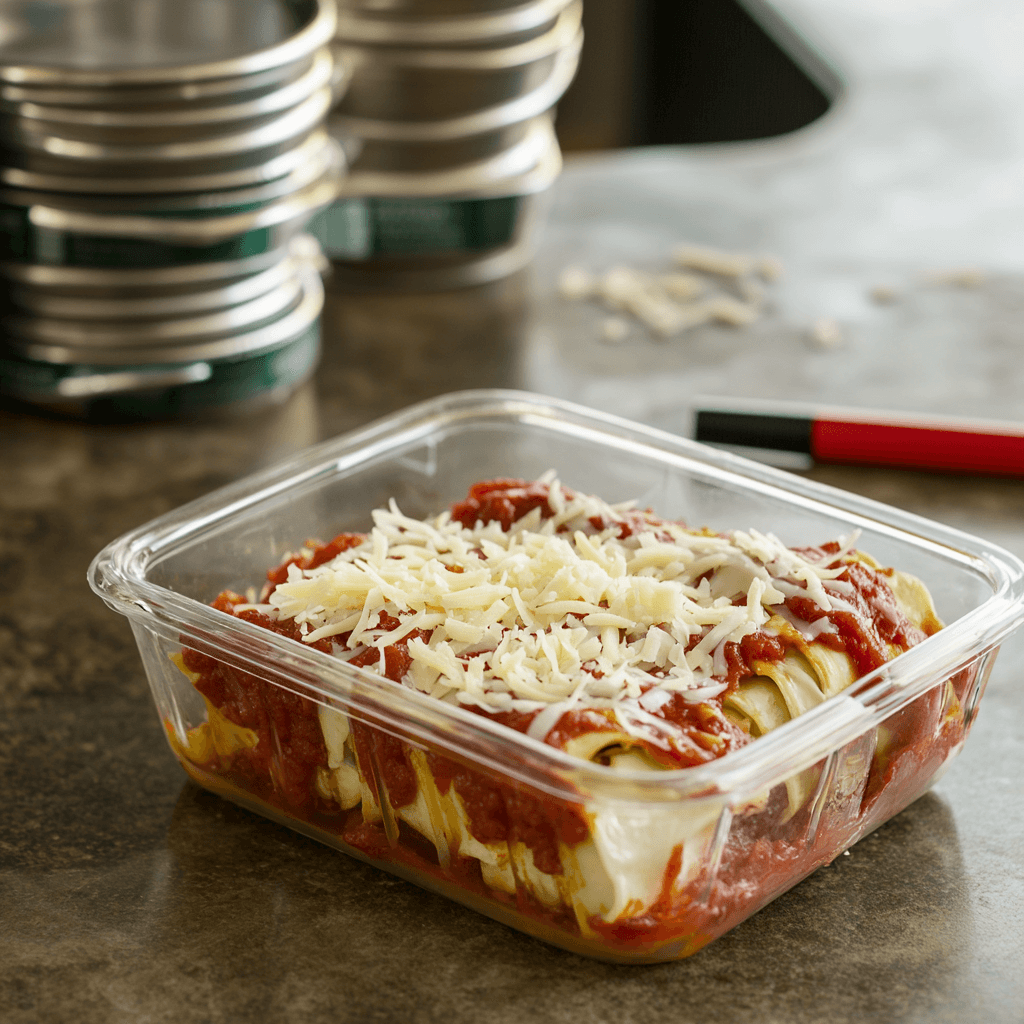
[25,243]
[375,228]
[232,386]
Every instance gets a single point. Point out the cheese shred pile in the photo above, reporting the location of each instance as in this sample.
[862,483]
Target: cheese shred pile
[557,610]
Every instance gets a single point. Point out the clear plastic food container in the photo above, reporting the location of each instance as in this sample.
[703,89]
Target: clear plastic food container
[653,864]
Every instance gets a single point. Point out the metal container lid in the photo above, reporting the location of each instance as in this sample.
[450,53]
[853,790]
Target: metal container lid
[522,108]
[373,155]
[186,115]
[214,91]
[45,235]
[289,212]
[89,337]
[328,158]
[529,164]
[478,58]
[423,8]
[273,169]
[138,282]
[233,346]
[472,29]
[117,43]
[418,84]
[45,303]
[164,390]
[227,151]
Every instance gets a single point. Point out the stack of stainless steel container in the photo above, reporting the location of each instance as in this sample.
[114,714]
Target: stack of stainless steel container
[446,117]
[159,162]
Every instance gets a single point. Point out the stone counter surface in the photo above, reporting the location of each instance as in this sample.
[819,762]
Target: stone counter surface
[128,894]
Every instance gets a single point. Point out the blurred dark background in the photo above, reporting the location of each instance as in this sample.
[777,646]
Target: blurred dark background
[658,72]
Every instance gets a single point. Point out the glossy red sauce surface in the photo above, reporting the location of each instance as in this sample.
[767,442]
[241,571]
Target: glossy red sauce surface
[764,854]
[318,554]
[875,621]
[504,500]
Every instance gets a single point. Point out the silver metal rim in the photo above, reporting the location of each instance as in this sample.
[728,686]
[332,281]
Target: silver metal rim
[284,98]
[375,155]
[329,158]
[286,215]
[152,95]
[62,307]
[290,326]
[315,33]
[88,337]
[531,165]
[539,101]
[294,122]
[192,275]
[415,8]
[272,170]
[447,31]
[561,34]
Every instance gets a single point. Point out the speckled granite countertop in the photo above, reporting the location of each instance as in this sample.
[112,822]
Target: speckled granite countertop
[127,894]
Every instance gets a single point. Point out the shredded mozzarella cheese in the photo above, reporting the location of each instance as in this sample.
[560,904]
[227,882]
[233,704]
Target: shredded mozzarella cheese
[556,610]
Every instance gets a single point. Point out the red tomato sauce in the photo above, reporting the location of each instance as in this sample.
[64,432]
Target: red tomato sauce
[763,854]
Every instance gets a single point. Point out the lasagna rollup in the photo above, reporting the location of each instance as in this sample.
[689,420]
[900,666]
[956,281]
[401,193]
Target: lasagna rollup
[603,630]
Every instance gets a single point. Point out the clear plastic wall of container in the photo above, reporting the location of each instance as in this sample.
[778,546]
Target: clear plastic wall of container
[617,862]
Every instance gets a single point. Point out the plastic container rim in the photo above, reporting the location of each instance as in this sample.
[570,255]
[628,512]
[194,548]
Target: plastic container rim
[118,576]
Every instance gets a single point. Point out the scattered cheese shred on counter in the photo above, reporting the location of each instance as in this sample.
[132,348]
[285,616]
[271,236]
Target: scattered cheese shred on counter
[668,304]
[587,601]
[826,333]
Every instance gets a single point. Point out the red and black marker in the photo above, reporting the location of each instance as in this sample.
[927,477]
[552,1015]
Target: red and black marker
[865,437]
